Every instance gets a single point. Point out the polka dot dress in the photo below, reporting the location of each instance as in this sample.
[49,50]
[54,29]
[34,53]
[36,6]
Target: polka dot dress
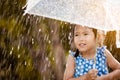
[84,65]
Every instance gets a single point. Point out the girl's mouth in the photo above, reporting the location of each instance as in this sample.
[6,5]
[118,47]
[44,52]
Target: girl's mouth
[82,44]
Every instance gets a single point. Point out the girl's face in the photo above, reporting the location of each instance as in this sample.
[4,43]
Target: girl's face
[84,38]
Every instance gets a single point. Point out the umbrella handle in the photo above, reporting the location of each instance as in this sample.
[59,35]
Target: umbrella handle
[94,65]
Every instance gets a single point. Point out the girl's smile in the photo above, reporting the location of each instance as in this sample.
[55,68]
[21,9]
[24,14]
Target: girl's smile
[82,45]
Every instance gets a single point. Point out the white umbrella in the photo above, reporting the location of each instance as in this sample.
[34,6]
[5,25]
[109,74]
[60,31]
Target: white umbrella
[99,14]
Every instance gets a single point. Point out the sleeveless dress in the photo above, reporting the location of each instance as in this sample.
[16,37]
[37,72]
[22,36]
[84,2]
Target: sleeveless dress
[84,65]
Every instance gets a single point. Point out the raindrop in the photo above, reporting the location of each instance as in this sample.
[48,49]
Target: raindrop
[70,33]
[25,63]
[69,51]
[46,58]
[32,41]
[18,55]
[39,30]
[69,37]
[11,52]
[24,14]
[45,37]
[49,41]
[53,59]
[18,47]
[9,67]
[52,31]
[12,48]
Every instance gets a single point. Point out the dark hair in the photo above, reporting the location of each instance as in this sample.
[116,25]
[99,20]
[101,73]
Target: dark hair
[72,30]
[95,32]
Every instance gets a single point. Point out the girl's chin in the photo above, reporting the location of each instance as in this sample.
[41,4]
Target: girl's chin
[82,50]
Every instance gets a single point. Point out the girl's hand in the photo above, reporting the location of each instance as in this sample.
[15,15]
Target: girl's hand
[103,77]
[92,74]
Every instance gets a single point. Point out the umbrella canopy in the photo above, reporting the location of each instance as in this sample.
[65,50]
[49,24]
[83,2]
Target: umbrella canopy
[99,14]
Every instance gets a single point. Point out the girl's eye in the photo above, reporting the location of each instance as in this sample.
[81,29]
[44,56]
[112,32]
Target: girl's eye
[85,34]
[76,34]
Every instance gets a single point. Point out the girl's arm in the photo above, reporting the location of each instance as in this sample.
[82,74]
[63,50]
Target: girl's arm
[113,64]
[69,72]
[70,66]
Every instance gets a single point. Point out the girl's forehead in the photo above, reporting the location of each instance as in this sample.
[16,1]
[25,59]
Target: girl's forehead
[79,28]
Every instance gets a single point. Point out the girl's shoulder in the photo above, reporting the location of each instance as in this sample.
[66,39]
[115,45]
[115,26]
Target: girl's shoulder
[70,59]
[101,50]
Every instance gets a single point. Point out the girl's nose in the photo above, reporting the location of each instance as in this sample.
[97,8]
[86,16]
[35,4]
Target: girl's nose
[81,38]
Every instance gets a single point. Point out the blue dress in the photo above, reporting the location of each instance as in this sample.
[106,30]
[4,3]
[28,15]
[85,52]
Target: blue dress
[84,65]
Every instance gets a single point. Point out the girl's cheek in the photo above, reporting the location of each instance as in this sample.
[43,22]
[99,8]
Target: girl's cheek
[90,37]
[76,41]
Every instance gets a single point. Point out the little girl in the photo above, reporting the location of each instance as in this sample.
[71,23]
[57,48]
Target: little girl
[90,62]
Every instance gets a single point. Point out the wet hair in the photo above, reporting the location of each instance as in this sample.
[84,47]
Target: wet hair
[73,29]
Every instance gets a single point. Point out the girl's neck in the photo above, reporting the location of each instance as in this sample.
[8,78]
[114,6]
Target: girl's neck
[89,54]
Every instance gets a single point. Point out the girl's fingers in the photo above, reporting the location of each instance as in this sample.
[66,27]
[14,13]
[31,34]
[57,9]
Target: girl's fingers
[92,74]
[93,70]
